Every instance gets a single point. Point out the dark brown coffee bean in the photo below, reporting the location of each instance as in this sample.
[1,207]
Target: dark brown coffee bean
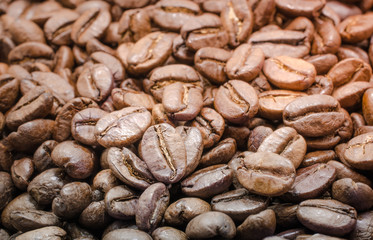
[122,128]
[181,52]
[350,94]
[131,98]
[168,233]
[9,87]
[193,141]
[291,234]
[22,171]
[323,62]
[363,228]
[45,232]
[258,226]
[77,160]
[151,206]
[367,106]
[211,63]
[37,103]
[356,28]
[211,125]
[111,62]
[133,25]
[211,225]
[286,215]
[92,23]
[326,38]
[30,219]
[236,101]
[180,212]
[246,63]
[238,19]
[289,73]
[263,12]
[149,52]
[208,181]
[257,136]
[337,218]
[95,216]
[182,102]
[266,173]
[102,183]
[358,152]
[323,85]
[58,27]
[273,102]
[294,8]
[318,157]
[127,234]
[321,176]
[220,154]
[239,204]
[83,125]
[64,58]
[213,6]
[128,168]
[320,113]
[7,189]
[344,171]
[6,157]
[121,202]
[206,30]
[163,151]
[355,194]
[47,185]
[159,115]
[351,51]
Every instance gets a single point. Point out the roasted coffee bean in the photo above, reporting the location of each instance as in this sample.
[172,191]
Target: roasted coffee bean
[318,157]
[258,226]
[126,97]
[323,85]
[9,87]
[367,106]
[30,219]
[122,128]
[358,153]
[257,136]
[77,160]
[239,204]
[121,202]
[338,218]
[111,62]
[350,51]
[320,114]
[236,101]
[127,234]
[102,183]
[7,189]
[208,181]
[286,215]
[363,226]
[168,233]
[58,27]
[326,38]
[356,28]
[151,206]
[180,212]
[44,233]
[95,216]
[265,173]
[211,225]
[323,62]
[350,94]
[181,52]
[22,171]
[220,154]
[128,168]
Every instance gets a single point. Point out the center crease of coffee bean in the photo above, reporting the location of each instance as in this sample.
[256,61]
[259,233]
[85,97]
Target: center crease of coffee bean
[164,150]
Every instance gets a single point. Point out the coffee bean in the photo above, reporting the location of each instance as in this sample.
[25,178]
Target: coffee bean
[258,226]
[30,219]
[121,202]
[168,233]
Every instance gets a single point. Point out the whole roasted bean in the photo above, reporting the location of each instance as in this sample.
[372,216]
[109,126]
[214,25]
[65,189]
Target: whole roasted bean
[93,45]
[211,63]
[47,185]
[318,157]
[294,8]
[159,115]
[265,173]
[208,181]
[37,103]
[30,219]
[323,85]
[58,27]
[239,133]
[289,73]
[337,218]
[286,215]
[62,129]
[121,202]
[358,152]
[182,102]
[211,125]
[92,23]
[286,142]
[64,58]
[343,10]
[151,206]
[44,233]
[95,82]
[355,194]
[22,171]
[262,11]
[236,101]
[9,87]
[168,233]
[171,15]
[245,63]
[211,225]
[363,228]
[23,30]
[128,168]
[321,176]
[213,6]
[367,106]
[258,226]
[7,189]
[29,53]
[102,183]
[206,30]
[326,38]
[181,52]
[350,70]
[6,157]
[220,154]
[95,216]
[123,127]
[314,115]
[237,18]
[111,62]
[291,234]
[350,94]
[257,136]
[351,51]
[356,28]
[126,97]
[273,102]
[77,160]
[127,234]
[239,204]
[163,151]
[83,125]
[183,210]
[323,62]
[133,25]
[193,141]
[149,52]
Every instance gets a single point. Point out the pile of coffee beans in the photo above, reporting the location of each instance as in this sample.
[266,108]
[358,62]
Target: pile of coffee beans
[186,119]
